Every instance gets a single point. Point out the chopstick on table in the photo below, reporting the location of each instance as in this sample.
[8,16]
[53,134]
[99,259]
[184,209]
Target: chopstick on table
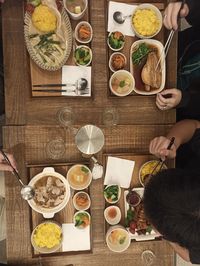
[160,160]
[169,39]
[49,90]
[49,85]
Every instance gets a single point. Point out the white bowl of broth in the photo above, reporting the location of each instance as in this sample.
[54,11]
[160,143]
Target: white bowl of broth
[76,8]
[122,83]
[79,176]
[52,192]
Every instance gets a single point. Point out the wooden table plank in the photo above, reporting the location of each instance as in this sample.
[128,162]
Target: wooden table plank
[28,145]
[22,109]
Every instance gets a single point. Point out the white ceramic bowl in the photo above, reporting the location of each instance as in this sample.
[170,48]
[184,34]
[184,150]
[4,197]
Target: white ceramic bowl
[119,193]
[90,51]
[47,234]
[141,173]
[111,58]
[74,219]
[109,45]
[116,246]
[126,75]
[75,16]
[49,212]
[112,220]
[79,186]
[158,15]
[77,29]
[162,64]
[78,207]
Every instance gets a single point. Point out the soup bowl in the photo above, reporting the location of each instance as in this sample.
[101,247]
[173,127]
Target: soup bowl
[48,212]
[76,15]
[79,176]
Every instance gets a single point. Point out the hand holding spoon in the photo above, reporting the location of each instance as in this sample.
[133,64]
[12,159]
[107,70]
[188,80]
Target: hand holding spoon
[27,192]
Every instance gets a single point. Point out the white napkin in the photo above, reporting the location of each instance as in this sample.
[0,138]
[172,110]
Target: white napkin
[126,10]
[119,171]
[70,74]
[75,239]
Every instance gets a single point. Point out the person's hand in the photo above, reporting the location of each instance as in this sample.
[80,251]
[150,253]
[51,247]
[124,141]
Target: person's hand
[158,147]
[3,164]
[164,102]
[171,14]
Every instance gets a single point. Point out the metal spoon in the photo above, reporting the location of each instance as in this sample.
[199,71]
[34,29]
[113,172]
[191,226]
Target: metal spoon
[119,17]
[27,192]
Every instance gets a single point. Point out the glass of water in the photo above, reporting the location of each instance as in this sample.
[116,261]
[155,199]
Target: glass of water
[110,116]
[55,149]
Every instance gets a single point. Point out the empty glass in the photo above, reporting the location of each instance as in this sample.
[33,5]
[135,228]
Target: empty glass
[110,116]
[55,149]
[148,258]
[65,117]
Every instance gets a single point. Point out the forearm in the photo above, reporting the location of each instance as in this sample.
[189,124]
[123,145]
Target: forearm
[183,131]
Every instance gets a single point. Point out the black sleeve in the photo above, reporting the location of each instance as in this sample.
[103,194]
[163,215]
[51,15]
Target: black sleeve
[194,12]
[185,99]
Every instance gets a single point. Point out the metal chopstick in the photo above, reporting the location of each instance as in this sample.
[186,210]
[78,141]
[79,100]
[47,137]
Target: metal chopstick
[49,85]
[48,90]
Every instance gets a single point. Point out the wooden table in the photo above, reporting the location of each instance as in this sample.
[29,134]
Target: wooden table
[31,121]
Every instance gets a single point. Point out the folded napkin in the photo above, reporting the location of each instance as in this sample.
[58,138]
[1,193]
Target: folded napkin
[75,239]
[126,10]
[119,171]
[70,75]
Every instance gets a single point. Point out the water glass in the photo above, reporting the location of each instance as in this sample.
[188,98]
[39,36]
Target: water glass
[110,116]
[65,117]
[55,149]
[148,258]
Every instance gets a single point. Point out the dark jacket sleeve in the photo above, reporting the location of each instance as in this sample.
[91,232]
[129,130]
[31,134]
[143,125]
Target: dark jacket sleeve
[194,12]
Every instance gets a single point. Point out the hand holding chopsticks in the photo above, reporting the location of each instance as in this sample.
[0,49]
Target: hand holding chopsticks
[169,39]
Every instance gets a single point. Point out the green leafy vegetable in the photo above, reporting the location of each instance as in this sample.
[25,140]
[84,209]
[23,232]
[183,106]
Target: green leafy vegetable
[111,193]
[122,240]
[116,40]
[84,169]
[129,217]
[142,51]
[122,83]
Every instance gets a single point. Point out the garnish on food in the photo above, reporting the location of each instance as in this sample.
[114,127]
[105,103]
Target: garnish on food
[116,40]
[111,193]
[139,53]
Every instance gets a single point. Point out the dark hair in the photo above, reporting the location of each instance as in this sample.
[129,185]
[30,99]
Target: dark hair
[172,205]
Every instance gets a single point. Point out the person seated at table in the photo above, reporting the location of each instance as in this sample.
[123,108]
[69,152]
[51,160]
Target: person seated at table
[3,164]
[172,197]
[184,96]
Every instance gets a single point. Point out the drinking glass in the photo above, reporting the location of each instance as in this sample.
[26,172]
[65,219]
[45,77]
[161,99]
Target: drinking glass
[110,116]
[55,149]
[65,117]
[148,258]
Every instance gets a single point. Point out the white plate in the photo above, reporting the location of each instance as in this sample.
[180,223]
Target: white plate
[33,54]
[163,67]
[135,236]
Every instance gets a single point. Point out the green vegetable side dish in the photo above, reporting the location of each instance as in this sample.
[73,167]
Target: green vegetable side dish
[84,169]
[130,216]
[116,40]
[82,56]
[34,2]
[142,51]
[82,220]
[111,193]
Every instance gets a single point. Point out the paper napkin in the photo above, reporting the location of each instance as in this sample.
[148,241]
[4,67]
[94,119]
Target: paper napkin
[119,171]
[70,75]
[126,10]
[75,239]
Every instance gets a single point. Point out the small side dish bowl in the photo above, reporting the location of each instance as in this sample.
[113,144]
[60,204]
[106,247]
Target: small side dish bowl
[117,238]
[76,11]
[47,237]
[146,169]
[81,219]
[112,193]
[79,176]
[83,55]
[112,215]
[121,83]
[81,201]
[117,61]
[116,41]
[146,21]
[83,32]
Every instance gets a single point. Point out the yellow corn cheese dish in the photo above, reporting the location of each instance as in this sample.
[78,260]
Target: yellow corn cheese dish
[44,19]
[146,22]
[47,235]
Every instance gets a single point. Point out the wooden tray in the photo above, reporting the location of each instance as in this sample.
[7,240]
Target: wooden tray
[65,215]
[40,76]
[135,183]
[129,41]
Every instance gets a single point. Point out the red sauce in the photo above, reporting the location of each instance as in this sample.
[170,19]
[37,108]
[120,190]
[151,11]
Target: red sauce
[112,213]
